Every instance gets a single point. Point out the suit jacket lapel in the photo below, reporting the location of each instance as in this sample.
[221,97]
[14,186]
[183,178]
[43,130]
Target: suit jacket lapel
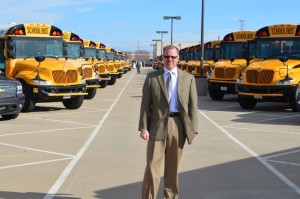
[179,84]
[161,81]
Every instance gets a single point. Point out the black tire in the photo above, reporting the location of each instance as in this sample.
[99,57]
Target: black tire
[293,101]
[9,117]
[91,93]
[103,83]
[119,75]
[112,81]
[29,103]
[247,102]
[74,103]
[215,94]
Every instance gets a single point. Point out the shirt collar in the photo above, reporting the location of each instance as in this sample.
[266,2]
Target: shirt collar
[174,71]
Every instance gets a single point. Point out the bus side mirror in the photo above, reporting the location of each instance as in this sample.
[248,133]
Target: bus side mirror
[11,50]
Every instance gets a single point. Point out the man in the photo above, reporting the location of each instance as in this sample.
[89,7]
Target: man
[168,117]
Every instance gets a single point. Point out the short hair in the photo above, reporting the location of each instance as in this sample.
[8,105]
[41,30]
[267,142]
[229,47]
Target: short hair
[170,47]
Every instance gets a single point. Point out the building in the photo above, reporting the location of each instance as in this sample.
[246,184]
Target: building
[157,50]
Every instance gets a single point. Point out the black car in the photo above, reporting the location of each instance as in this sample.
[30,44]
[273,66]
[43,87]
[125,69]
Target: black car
[11,98]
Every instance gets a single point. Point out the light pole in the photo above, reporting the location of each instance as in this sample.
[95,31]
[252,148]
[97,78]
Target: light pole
[156,40]
[172,17]
[161,41]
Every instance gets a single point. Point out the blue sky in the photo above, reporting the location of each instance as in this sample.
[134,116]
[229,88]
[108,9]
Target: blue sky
[130,25]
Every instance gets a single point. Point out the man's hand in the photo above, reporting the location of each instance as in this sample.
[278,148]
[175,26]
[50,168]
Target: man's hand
[144,134]
[190,142]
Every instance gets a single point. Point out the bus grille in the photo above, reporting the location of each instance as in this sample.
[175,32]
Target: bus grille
[225,73]
[263,77]
[101,69]
[88,72]
[8,91]
[111,68]
[60,76]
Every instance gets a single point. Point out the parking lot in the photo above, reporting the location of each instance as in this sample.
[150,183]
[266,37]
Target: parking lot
[95,151]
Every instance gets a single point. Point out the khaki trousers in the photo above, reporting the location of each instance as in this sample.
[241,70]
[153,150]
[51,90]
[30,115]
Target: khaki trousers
[169,150]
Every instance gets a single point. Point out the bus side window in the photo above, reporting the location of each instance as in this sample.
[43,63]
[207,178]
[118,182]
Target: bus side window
[2,55]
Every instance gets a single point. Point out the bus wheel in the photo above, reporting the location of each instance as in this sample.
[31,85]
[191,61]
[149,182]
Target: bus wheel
[298,96]
[10,117]
[29,104]
[247,102]
[119,75]
[91,93]
[215,94]
[103,83]
[294,100]
[73,103]
[112,81]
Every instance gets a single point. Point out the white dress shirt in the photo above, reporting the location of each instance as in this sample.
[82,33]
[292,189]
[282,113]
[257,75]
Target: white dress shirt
[174,96]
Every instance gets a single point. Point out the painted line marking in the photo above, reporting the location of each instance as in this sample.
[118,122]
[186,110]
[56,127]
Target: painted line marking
[255,155]
[37,150]
[51,193]
[44,131]
[33,163]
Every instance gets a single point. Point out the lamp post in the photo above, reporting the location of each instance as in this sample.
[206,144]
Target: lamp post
[172,17]
[161,41]
[156,40]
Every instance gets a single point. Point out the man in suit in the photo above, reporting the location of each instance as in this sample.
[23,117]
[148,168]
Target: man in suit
[168,117]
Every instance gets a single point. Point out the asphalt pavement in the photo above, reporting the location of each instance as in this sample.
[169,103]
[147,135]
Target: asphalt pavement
[95,152]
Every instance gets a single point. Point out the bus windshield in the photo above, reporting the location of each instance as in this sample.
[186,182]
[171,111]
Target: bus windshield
[236,50]
[89,52]
[73,50]
[212,53]
[30,47]
[110,56]
[100,54]
[275,48]
[1,56]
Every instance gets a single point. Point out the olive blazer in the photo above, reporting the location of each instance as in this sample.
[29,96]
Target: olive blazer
[155,107]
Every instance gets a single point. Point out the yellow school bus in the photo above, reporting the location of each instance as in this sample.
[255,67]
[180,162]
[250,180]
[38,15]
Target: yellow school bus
[110,55]
[275,75]
[75,52]
[103,63]
[90,52]
[212,52]
[182,58]
[222,78]
[34,54]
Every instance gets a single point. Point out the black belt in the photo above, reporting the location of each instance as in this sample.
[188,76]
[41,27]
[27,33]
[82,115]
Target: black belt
[174,114]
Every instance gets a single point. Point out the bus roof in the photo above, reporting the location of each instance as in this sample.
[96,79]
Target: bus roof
[238,36]
[88,43]
[70,36]
[32,29]
[279,30]
[213,43]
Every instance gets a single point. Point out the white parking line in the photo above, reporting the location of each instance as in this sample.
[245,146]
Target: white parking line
[282,154]
[37,150]
[33,163]
[51,193]
[255,155]
[261,130]
[43,131]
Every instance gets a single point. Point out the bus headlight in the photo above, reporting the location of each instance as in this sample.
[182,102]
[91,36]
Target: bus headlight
[41,82]
[286,81]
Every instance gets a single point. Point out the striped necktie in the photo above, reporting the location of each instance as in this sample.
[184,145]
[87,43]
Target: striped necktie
[169,85]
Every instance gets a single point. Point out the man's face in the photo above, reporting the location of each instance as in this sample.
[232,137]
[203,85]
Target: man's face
[170,58]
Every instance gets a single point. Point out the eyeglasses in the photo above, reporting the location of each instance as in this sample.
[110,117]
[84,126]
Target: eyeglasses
[167,57]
